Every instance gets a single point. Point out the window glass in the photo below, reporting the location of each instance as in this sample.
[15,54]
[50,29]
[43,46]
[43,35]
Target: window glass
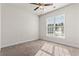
[56,25]
[59,25]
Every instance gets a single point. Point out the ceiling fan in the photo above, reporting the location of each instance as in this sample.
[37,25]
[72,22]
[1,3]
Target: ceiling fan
[41,5]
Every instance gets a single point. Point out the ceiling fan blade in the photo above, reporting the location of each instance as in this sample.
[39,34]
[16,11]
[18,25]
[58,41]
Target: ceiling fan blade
[34,3]
[36,8]
[48,4]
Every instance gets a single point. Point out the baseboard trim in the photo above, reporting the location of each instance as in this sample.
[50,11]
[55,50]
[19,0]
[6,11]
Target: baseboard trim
[20,42]
[60,43]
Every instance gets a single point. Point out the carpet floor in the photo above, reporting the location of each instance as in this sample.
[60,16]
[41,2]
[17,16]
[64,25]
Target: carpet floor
[39,48]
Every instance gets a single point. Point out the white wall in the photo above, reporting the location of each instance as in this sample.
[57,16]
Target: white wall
[71,25]
[18,25]
[0,26]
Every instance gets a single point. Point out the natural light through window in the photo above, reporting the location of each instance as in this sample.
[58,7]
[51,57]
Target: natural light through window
[55,25]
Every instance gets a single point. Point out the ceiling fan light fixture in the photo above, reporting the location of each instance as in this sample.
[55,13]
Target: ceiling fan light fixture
[54,7]
[41,7]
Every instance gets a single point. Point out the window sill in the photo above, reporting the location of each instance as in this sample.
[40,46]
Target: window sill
[63,37]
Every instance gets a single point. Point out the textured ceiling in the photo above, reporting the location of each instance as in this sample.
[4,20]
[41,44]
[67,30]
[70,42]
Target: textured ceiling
[50,8]
[31,7]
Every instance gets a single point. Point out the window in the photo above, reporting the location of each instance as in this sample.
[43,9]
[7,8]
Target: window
[55,25]
[51,25]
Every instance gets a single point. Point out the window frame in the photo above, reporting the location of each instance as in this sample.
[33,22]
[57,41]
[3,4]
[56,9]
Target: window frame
[53,35]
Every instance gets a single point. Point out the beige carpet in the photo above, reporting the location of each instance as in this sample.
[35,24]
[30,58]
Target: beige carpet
[49,49]
[39,48]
